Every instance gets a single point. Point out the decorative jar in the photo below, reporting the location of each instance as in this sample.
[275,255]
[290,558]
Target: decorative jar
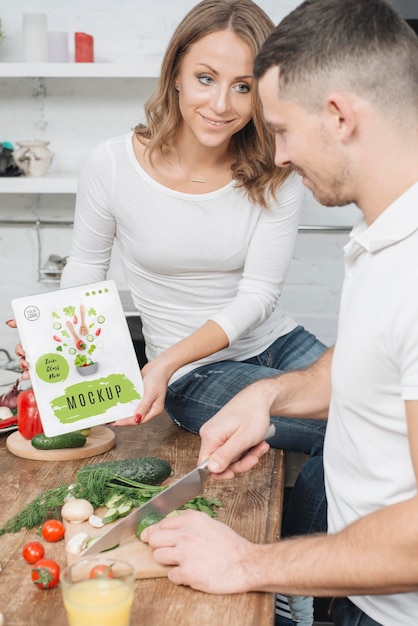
[33,157]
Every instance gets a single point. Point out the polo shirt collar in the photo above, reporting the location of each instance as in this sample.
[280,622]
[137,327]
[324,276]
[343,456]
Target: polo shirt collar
[396,222]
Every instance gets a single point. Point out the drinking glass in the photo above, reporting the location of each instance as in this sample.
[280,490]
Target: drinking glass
[98,591]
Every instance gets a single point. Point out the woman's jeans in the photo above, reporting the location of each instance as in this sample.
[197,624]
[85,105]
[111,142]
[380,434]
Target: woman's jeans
[195,397]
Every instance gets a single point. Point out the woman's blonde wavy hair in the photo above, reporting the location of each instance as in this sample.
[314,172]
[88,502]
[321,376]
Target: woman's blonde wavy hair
[254,168]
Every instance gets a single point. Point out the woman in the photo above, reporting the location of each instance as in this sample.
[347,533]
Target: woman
[205,225]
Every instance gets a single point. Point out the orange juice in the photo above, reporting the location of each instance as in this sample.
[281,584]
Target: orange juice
[99,602]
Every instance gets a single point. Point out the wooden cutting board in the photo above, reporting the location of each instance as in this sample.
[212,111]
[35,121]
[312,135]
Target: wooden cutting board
[100,440]
[134,551]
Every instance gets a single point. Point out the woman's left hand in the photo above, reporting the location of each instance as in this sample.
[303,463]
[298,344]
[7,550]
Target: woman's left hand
[155,378]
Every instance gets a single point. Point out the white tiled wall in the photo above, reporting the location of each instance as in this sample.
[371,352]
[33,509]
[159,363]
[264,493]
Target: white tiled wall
[78,113]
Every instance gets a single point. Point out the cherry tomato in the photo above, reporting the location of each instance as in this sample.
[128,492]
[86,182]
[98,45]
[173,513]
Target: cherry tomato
[33,551]
[102,571]
[53,530]
[46,573]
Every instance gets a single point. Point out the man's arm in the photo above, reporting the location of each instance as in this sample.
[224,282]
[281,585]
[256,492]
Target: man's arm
[374,555]
[242,423]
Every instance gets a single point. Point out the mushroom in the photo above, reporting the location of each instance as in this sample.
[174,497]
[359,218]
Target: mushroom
[77,510]
[77,543]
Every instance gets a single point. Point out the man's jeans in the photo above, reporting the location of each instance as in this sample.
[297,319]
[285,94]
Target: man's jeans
[345,613]
[197,396]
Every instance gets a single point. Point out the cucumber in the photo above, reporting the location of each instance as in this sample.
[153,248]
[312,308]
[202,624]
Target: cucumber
[110,516]
[121,508]
[148,470]
[149,520]
[68,440]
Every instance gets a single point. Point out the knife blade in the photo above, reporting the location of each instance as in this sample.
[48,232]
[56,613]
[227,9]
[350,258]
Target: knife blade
[168,500]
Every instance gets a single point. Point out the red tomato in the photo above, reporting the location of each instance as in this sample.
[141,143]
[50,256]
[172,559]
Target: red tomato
[53,530]
[28,420]
[33,551]
[46,573]
[101,571]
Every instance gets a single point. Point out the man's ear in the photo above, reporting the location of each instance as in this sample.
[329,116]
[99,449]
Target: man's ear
[340,107]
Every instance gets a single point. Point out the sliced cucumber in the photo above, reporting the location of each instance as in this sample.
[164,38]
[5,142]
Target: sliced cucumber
[124,509]
[110,516]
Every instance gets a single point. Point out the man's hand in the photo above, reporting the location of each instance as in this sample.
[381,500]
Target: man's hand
[238,428]
[204,554]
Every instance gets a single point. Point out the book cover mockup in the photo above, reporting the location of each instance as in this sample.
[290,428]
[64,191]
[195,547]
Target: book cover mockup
[82,362]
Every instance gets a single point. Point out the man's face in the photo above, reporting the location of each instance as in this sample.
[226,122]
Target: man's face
[306,141]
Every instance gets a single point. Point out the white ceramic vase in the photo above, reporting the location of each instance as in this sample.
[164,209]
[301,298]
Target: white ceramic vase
[33,157]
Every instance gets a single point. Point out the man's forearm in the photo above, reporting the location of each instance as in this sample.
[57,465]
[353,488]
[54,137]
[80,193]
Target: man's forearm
[370,556]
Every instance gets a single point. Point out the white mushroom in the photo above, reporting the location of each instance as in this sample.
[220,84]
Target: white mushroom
[77,543]
[77,510]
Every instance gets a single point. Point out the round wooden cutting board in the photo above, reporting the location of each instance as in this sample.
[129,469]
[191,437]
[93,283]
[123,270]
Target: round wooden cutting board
[100,439]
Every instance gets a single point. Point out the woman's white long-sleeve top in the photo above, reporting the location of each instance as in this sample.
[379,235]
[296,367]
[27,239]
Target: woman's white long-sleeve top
[187,258]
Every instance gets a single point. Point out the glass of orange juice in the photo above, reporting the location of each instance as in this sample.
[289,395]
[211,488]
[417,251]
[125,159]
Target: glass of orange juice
[98,591]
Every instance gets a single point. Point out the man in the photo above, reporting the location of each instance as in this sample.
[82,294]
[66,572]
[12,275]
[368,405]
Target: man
[338,82]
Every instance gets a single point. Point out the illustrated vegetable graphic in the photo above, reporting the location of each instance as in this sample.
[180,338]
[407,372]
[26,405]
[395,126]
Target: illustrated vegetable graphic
[82,361]
[28,419]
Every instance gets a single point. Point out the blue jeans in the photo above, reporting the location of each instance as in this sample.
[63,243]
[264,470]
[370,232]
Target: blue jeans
[305,513]
[345,613]
[197,396]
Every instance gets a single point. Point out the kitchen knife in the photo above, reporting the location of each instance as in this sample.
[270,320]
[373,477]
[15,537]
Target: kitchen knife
[168,500]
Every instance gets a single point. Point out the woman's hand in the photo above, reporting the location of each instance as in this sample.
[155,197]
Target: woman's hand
[155,376]
[19,351]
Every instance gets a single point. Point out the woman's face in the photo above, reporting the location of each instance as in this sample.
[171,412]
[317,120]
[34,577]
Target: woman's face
[215,82]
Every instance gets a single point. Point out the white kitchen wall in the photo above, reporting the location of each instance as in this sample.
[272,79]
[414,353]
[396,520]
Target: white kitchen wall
[75,114]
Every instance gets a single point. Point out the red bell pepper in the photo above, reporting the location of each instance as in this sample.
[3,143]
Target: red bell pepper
[28,420]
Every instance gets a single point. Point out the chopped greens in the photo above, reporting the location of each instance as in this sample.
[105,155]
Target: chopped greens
[97,486]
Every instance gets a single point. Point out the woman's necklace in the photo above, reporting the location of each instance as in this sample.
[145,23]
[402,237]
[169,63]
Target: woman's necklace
[194,179]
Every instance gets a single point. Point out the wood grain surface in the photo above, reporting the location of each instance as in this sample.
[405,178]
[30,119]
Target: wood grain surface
[252,506]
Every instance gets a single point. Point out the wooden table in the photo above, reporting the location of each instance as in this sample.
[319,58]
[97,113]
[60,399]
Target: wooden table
[251,505]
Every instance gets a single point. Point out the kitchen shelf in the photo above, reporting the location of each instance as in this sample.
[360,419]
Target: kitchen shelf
[78,70]
[58,183]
